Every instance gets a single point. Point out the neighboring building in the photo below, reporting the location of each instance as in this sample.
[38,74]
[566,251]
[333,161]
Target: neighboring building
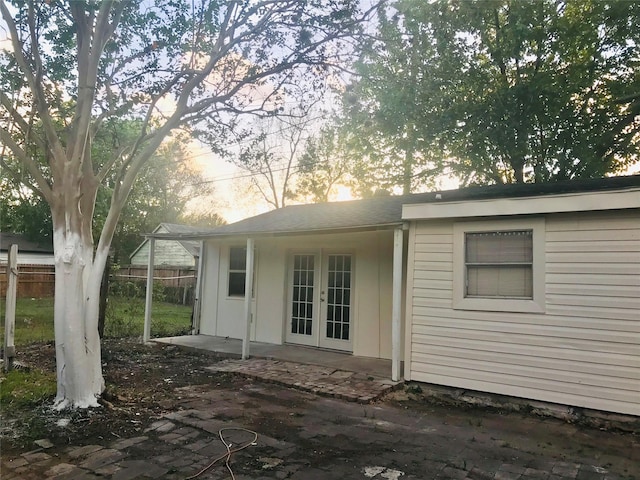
[29,251]
[528,290]
[36,266]
[174,253]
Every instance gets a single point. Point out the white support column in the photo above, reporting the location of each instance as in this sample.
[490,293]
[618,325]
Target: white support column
[248,290]
[10,308]
[146,336]
[396,304]
[197,293]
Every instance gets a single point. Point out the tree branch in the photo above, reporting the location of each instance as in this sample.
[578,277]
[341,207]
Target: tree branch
[42,185]
[24,127]
[36,87]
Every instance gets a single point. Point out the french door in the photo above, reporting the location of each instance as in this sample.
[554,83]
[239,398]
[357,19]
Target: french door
[320,300]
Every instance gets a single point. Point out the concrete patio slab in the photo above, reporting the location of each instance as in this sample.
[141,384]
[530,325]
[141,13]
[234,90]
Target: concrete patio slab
[231,347]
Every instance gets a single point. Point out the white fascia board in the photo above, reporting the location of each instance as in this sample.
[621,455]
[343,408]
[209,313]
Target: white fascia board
[573,202]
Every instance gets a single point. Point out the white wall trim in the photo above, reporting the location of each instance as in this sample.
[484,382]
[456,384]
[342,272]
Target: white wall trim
[248,289]
[575,202]
[408,315]
[396,313]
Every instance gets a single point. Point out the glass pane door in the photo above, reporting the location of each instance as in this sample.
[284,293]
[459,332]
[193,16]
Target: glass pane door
[338,301]
[302,308]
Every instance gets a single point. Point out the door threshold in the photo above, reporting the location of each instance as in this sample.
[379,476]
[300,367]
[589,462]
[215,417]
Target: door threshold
[322,349]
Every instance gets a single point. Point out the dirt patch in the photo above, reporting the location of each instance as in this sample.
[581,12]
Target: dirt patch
[142,383]
[164,412]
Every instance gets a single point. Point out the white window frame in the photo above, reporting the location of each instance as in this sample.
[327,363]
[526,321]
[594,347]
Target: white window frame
[230,270]
[534,305]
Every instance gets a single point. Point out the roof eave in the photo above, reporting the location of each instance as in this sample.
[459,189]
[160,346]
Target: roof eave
[278,233]
[600,200]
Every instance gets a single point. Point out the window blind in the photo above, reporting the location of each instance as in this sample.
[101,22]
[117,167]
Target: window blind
[499,264]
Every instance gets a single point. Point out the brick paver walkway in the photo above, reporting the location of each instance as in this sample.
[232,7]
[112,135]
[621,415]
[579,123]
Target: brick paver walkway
[327,381]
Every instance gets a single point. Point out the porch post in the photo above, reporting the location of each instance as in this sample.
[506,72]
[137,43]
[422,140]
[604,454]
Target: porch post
[396,304]
[146,336]
[248,290]
[197,293]
[10,308]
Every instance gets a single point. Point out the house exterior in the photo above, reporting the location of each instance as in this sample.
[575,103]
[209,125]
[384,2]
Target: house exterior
[322,277]
[174,253]
[29,251]
[526,290]
[534,296]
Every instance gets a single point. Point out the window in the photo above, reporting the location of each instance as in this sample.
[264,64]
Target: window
[237,271]
[499,266]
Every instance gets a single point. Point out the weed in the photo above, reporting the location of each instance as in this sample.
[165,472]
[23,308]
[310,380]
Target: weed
[414,388]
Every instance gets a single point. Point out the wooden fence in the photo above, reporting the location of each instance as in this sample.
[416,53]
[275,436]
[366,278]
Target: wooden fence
[37,281]
[167,276]
[34,281]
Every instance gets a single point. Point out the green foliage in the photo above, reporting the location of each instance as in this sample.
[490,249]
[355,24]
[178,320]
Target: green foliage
[161,193]
[322,165]
[90,90]
[202,218]
[23,212]
[498,91]
[73,70]
[164,187]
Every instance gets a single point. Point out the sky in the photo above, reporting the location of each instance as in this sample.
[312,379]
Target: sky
[228,202]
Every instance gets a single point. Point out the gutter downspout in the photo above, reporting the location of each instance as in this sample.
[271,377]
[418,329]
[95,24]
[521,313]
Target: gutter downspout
[248,293]
[146,336]
[396,304]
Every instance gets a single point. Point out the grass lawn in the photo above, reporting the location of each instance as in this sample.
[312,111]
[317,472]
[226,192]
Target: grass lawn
[125,318]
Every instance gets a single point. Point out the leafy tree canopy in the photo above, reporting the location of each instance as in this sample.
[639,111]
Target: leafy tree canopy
[161,193]
[71,68]
[322,166]
[498,91]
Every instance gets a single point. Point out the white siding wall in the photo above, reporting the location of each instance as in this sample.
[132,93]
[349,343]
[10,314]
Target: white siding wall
[269,286]
[583,351]
[224,316]
[30,258]
[210,287]
[230,319]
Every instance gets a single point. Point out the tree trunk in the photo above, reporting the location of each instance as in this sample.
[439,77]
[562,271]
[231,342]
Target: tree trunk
[104,293]
[518,171]
[77,294]
[407,170]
